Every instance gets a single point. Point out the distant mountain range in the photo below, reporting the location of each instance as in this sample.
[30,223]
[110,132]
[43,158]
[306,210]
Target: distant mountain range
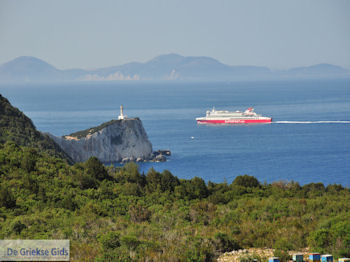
[163,67]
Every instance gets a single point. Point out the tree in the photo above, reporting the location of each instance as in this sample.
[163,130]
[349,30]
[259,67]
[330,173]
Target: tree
[153,179]
[110,240]
[6,198]
[199,187]
[29,160]
[246,181]
[224,243]
[96,169]
[168,181]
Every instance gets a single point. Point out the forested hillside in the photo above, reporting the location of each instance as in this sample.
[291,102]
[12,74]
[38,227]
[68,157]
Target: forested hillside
[17,127]
[118,214]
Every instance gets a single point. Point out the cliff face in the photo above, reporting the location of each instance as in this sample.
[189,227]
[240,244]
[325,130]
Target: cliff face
[110,142]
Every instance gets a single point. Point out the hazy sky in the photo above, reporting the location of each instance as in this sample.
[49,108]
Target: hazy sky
[89,34]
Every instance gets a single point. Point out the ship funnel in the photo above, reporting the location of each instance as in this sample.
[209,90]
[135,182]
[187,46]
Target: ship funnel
[249,110]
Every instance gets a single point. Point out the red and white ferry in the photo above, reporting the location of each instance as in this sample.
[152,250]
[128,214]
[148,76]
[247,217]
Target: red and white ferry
[238,117]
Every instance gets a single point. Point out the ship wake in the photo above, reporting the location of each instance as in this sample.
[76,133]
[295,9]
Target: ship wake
[312,122]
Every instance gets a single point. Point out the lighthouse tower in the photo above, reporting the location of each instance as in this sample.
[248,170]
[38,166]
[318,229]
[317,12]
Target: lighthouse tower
[121,116]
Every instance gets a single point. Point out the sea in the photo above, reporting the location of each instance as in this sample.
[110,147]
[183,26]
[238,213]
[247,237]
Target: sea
[308,140]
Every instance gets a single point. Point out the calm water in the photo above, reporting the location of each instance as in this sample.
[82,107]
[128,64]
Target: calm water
[297,146]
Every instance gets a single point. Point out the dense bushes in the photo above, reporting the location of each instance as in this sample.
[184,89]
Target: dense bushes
[118,214]
[6,197]
[246,181]
[17,127]
[333,236]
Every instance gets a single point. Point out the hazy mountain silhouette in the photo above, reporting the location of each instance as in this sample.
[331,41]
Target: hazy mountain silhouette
[323,69]
[163,67]
[26,68]
[31,69]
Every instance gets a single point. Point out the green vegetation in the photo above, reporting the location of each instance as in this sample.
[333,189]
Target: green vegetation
[17,127]
[118,214]
[89,131]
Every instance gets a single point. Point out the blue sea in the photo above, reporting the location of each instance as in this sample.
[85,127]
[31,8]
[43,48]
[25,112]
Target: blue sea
[308,141]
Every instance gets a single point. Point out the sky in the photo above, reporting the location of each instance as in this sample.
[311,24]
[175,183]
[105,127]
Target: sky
[91,34]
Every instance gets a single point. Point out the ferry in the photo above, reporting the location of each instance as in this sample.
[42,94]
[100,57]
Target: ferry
[237,117]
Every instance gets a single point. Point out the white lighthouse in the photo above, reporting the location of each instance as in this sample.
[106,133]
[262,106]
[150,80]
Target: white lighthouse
[121,116]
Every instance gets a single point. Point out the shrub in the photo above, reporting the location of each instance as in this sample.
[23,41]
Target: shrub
[200,250]
[6,198]
[130,242]
[246,181]
[109,241]
[95,169]
[283,255]
[224,243]
[333,236]
[18,226]
[139,213]
[86,181]
[29,160]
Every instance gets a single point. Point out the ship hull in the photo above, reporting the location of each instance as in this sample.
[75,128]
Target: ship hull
[233,121]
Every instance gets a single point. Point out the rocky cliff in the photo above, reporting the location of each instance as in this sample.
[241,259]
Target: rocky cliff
[113,141]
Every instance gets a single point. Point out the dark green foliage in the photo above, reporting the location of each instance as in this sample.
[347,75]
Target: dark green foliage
[314,189]
[199,250]
[95,169]
[246,181]
[333,236]
[164,181]
[198,187]
[17,127]
[131,242]
[110,241]
[192,189]
[130,173]
[28,161]
[18,226]
[118,214]
[91,173]
[68,202]
[87,181]
[113,256]
[30,183]
[6,197]
[283,243]
[334,188]
[224,243]
[84,133]
[168,181]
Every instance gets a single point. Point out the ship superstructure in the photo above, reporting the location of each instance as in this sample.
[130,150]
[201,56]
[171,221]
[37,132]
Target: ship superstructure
[237,117]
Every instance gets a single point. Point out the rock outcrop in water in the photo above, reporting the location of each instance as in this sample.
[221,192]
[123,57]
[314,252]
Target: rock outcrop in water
[113,141]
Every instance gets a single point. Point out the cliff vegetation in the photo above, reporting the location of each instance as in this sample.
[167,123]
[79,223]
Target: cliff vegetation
[89,131]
